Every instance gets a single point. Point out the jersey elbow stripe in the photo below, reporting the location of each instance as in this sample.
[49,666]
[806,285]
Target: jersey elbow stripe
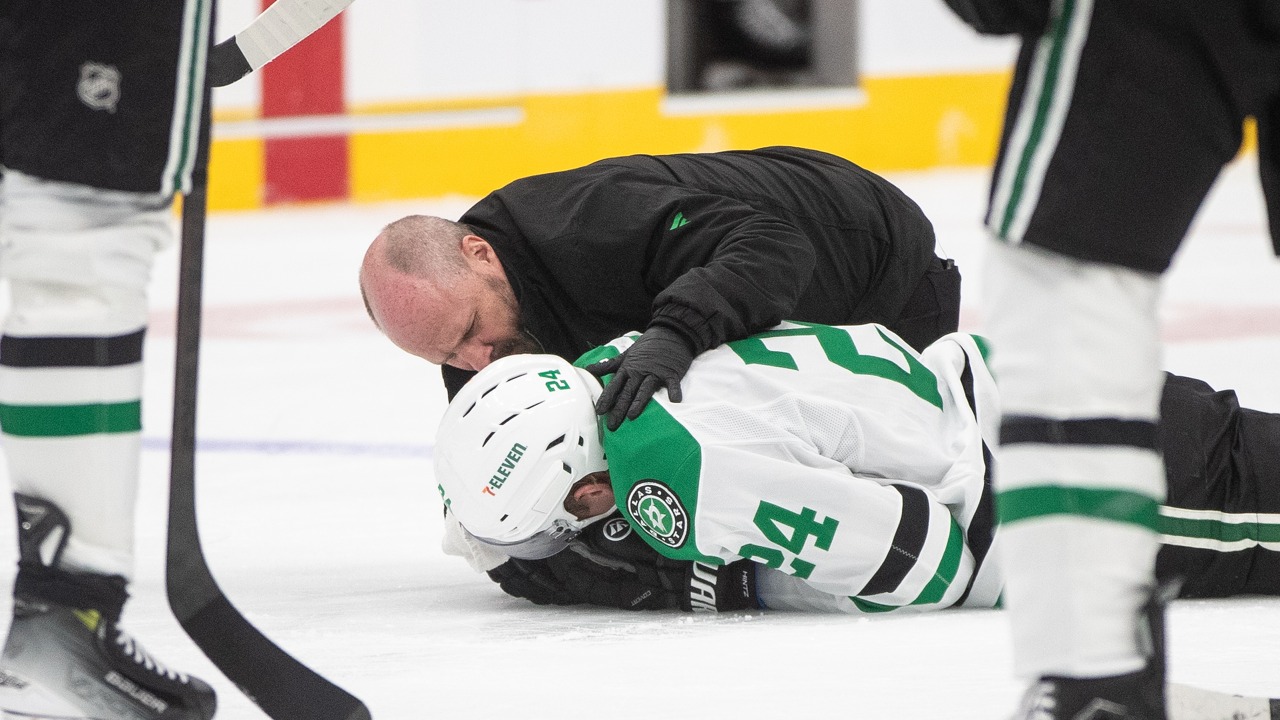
[937,580]
[948,568]
[908,541]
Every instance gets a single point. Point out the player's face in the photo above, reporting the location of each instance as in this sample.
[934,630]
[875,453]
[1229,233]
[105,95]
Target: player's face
[478,322]
[591,496]
[469,324]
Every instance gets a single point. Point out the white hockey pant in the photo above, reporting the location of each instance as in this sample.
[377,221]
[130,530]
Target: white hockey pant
[78,261]
[1077,358]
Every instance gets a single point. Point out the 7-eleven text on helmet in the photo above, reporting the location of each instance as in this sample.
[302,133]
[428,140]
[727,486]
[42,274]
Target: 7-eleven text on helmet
[511,445]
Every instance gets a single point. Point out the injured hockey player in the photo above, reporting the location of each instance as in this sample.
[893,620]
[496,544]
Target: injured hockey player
[810,467]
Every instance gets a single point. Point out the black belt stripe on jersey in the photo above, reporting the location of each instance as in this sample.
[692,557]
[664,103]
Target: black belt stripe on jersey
[1087,431]
[47,352]
[908,541]
[982,526]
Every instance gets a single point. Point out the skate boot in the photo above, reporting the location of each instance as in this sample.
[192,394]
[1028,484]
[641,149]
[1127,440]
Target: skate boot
[1133,696]
[66,657]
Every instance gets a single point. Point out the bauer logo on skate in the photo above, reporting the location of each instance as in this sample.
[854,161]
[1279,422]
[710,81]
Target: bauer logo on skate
[658,512]
[503,472]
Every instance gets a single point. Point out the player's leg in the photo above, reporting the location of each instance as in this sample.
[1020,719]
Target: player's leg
[1104,161]
[77,260]
[1079,475]
[1221,522]
[95,138]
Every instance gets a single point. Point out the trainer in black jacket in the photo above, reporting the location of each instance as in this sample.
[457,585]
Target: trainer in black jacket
[695,249]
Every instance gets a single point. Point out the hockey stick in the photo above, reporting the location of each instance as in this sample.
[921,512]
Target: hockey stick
[280,685]
[281,26]
[1185,702]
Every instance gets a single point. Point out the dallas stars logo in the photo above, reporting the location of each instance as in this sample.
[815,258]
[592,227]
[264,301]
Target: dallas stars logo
[659,512]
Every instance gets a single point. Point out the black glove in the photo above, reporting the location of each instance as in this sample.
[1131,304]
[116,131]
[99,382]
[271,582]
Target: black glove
[610,566]
[659,359]
[227,63]
[576,576]
[720,588]
[1003,17]
[532,580]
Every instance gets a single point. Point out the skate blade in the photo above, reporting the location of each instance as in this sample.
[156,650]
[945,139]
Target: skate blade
[1185,702]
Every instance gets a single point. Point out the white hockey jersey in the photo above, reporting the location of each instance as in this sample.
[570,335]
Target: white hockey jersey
[836,455]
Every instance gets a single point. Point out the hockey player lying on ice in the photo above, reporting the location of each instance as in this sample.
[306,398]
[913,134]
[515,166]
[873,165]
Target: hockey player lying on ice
[811,467]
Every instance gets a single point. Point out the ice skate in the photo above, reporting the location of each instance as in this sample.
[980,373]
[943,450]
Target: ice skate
[66,657]
[1133,696]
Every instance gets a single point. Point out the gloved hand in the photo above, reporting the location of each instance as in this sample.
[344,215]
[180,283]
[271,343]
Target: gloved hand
[611,566]
[534,581]
[576,576]
[227,63]
[660,358]
[1003,17]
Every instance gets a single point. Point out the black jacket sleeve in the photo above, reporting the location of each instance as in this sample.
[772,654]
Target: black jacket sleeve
[716,246]
[730,271]
[620,251]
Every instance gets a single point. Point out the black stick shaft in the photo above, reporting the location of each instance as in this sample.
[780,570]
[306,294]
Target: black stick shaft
[280,685]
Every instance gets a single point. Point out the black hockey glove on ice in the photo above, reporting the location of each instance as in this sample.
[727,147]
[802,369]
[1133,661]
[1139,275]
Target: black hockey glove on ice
[534,581]
[659,359]
[641,578]
[577,576]
[227,63]
[610,566]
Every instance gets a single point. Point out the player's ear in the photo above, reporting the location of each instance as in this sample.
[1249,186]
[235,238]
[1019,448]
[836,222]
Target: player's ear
[477,249]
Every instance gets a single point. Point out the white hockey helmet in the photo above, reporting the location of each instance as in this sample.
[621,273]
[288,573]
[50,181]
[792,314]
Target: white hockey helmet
[511,445]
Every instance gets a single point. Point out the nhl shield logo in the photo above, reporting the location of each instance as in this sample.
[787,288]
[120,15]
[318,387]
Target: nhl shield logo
[659,512]
[99,86]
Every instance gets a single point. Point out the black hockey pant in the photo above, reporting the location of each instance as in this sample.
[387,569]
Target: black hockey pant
[1221,523]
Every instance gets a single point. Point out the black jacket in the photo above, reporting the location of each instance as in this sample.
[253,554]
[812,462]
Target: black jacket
[720,245]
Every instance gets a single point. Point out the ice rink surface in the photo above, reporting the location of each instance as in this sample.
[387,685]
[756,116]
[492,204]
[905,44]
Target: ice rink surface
[320,518]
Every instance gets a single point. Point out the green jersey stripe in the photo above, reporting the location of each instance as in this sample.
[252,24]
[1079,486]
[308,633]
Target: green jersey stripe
[70,420]
[947,568]
[1043,104]
[1040,120]
[1120,506]
[936,588]
[867,606]
[184,132]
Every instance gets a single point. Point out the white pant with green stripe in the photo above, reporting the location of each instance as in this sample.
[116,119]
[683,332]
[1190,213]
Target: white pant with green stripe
[1076,355]
[78,260]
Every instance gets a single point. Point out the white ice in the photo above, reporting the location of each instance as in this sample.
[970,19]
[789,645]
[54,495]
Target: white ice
[319,515]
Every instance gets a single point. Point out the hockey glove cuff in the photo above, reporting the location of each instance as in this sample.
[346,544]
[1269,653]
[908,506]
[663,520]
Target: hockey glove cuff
[723,588]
